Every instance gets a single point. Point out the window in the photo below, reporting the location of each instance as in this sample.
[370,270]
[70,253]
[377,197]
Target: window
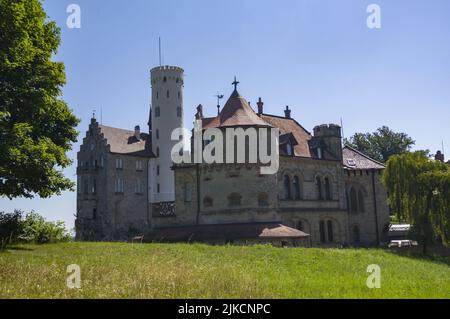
[188,192]
[263,199]
[207,202]
[119,185]
[353,201]
[179,93]
[157,152]
[327,189]
[139,188]
[289,149]
[330,230]
[157,111]
[157,95]
[157,170]
[92,146]
[322,231]
[119,163]
[356,236]
[361,201]
[94,213]
[287,187]
[319,188]
[179,111]
[234,199]
[94,186]
[102,161]
[319,153]
[165,79]
[157,134]
[167,94]
[139,165]
[297,193]
[158,188]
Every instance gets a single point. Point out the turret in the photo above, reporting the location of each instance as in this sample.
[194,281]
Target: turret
[166,115]
[328,137]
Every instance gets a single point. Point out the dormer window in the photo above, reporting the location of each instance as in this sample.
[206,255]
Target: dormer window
[289,149]
[351,162]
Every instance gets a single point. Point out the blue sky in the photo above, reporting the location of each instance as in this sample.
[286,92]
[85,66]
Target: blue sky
[317,56]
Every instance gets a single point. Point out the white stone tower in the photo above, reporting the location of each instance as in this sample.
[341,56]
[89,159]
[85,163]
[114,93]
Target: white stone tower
[166,115]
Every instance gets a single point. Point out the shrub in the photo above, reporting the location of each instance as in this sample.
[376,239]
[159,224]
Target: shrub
[33,228]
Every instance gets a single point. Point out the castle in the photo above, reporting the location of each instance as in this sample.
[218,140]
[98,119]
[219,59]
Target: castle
[323,194]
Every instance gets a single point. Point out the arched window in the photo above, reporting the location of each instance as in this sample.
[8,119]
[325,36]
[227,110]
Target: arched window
[207,201]
[287,187]
[360,201]
[157,111]
[179,95]
[157,95]
[330,231]
[355,234]
[263,199]
[234,199]
[157,152]
[353,201]
[297,192]
[319,188]
[327,188]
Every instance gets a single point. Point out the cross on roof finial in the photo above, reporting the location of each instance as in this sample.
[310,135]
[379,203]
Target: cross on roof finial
[235,83]
[93,114]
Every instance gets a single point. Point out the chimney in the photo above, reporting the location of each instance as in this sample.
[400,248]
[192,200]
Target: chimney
[199,114]
[439,156]
[287,112]
[260,106]
[137,132]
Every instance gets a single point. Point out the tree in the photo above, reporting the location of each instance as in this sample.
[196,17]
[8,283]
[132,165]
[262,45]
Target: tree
[419,193]
[37,127]
[381,144]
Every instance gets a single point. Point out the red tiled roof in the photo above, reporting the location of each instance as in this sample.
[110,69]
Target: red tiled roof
[236,112]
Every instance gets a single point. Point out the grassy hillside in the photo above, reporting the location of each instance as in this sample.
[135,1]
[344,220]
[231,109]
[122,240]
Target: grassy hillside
[117,270]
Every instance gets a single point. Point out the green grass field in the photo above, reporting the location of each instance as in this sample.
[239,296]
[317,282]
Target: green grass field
[119,270]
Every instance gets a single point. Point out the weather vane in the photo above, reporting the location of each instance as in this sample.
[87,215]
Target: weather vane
[219,97]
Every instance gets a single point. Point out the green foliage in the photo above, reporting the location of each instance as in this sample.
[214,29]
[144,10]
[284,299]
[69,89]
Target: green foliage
[382,144]
[37,127]
[31,228]
[419,193]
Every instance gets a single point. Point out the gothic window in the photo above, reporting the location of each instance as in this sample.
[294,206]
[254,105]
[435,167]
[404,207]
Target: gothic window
[207,202]
[297,191]
[356,234]
[188,192]
[157,95]
[353,201]
[327,188]
[119,185]
[119,163]
[287,187]
[319,188]
[179,111]
[157,111]
[234,199]
[330,230]
[322,231]
[263,199]
[361,201]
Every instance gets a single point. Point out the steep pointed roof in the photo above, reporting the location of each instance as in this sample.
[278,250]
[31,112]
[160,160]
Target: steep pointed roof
[237,112]
[355,160]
